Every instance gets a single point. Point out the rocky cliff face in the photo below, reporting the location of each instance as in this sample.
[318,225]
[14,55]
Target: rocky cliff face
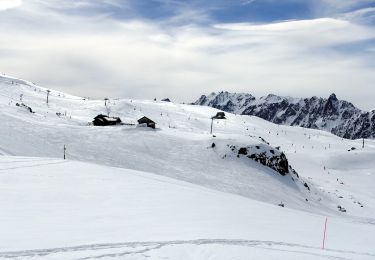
[339,117]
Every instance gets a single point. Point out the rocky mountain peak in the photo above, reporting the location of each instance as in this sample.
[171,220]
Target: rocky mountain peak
[333,97]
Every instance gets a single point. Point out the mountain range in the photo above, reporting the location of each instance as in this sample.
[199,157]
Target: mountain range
[339,117]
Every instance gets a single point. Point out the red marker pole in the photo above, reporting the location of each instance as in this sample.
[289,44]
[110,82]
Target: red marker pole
[325,232]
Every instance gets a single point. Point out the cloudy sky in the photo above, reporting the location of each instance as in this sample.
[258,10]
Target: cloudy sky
[184,48]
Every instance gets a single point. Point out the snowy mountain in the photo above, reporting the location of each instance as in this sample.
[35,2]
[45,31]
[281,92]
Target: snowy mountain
[177,191]
[336,116]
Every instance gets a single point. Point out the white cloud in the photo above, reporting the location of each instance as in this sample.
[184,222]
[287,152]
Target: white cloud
[9,4]
[248,2]
[364,15]
[338,7]
[100,56]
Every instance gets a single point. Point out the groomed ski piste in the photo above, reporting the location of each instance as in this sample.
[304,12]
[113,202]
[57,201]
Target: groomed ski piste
[128,192]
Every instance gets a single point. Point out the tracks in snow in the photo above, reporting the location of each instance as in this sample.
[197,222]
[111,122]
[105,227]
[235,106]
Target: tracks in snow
[122,250]
[28,163]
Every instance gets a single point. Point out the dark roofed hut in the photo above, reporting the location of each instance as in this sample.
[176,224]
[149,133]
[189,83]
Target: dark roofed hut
[103,120]
[147,121]
[219,115]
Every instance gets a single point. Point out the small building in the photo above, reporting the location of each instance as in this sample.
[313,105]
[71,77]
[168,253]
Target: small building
[147,121]
[103,120]
[219,115]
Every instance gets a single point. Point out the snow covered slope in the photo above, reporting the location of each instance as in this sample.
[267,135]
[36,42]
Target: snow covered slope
[56,209]
[336,116]
[181,148]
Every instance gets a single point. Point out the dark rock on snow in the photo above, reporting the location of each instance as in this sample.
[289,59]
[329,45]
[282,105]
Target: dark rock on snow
[267,156]
[25,107]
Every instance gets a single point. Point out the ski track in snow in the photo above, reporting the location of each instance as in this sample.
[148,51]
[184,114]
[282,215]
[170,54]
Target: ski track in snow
[133,248]
[31,165]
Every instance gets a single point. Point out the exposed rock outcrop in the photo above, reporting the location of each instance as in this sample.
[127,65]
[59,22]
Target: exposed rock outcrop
[267,156]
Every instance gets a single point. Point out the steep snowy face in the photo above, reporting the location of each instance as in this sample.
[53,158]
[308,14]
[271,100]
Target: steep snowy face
[339,117]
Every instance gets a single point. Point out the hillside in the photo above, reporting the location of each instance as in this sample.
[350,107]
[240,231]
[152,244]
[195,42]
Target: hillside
[56,209]
[181,143]
[339,117]
[198,196]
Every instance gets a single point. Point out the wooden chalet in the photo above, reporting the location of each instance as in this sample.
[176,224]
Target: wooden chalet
[147,121]
[103,120]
